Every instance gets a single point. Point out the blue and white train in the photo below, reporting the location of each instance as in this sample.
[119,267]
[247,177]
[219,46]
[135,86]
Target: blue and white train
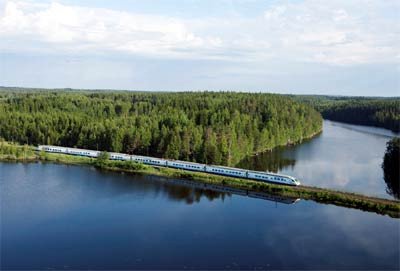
[212,169]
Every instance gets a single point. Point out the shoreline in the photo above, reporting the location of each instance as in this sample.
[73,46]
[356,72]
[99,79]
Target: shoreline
[320,195]
[292,144]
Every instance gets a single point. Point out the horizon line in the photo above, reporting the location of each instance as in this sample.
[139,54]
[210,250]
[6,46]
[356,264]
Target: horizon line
[193,90]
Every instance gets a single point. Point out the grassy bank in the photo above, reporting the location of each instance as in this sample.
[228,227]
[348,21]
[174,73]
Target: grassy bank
[11,152]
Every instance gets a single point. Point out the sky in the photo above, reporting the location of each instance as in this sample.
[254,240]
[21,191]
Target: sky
[336,47]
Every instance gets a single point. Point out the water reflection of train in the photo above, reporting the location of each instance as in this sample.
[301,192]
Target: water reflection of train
[212,169]
[235,191]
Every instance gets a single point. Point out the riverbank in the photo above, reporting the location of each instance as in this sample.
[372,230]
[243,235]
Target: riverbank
[326,196]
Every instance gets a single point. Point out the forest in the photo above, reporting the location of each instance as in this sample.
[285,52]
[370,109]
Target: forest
[208,127]
[379,111]
[390,166]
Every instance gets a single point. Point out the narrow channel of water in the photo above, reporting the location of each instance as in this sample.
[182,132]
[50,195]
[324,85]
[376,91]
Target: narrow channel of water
[344,157]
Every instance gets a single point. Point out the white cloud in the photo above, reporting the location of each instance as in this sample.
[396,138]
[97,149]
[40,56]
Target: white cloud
[333,32]
[338,32]
[80,28]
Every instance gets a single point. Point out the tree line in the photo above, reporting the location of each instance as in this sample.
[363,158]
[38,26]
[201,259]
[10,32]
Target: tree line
[379,112]
[207,127]
[390,166]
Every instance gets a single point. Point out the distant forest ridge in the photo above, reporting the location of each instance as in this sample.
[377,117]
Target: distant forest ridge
[381,112]
[375,111]
[302,97]
[208,127]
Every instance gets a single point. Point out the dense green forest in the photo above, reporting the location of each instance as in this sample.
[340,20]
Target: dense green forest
[391,167]
[379,112]
[209,127]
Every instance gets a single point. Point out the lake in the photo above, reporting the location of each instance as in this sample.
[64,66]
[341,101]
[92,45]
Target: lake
[71,217]
[343,157]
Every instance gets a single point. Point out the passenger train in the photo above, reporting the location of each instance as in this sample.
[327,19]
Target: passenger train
[212,169]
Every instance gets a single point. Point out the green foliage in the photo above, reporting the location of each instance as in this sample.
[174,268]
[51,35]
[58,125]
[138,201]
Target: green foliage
[124,165]
[391,167]
[380,112]
[12,151]
[219,128]
[103,157]
[43,155]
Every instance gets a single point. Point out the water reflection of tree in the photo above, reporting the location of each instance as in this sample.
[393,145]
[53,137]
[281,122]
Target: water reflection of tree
[181,190]
[390,167]
[174,189]
[191,195]
[271,161]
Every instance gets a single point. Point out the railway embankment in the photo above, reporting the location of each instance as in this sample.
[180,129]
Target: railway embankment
[16,153]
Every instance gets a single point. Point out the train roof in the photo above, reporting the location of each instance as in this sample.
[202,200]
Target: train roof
[230,168]
[117,153]
[185,162]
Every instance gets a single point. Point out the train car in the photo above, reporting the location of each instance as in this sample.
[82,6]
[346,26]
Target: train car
[82,152]
[51,148]
[227,171]
[71,151]
[119,156]
[185,165]
[148,160]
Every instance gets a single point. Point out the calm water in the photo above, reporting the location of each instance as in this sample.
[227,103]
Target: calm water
[69,217]
[344,157]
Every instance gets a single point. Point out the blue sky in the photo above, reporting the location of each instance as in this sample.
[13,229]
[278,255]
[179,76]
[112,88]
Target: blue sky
[321,47]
